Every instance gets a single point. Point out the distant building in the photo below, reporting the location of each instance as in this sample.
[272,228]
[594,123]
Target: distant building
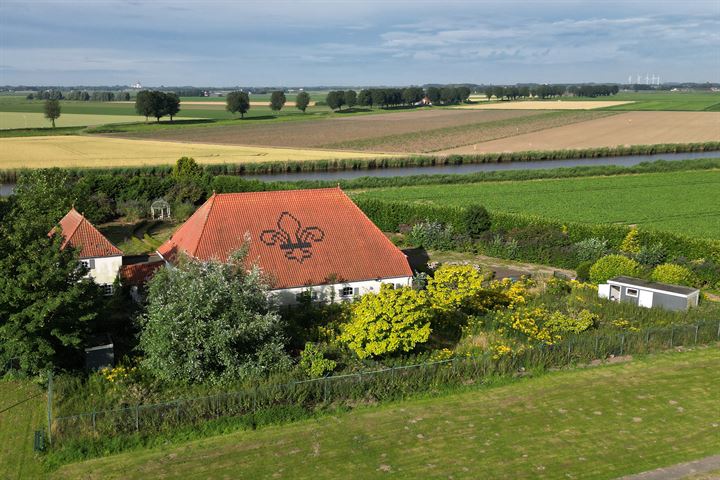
[310,242]
[102,259]
[137,85]
[649,294]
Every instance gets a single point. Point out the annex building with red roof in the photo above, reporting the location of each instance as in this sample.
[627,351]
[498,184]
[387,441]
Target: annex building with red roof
[96,252]
[313,242]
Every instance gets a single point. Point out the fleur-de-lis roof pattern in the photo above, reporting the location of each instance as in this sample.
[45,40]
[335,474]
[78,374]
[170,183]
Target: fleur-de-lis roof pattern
[79,233]
[299,237]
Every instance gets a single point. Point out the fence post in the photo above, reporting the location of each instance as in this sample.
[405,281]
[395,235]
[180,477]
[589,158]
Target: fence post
[49,405]
[647,340]
[622,344]
[597,345]
[672,335]
[137,417]
[718,333]
[697,327]
[325,390]
[93,420]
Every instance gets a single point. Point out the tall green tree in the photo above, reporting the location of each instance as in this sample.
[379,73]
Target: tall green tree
[277,100]
[302,101]
[238,102]
[47,306]
[171,104]
[365,98]
[335,99]
[210,322]
[52,110]
[143,104]
[433,94]
[350,98]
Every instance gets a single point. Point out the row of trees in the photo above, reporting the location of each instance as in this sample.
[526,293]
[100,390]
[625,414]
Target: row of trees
[98,96]
[594,90]
[549,91]
[157,104]
[52,94]
[239,102]
[395,97]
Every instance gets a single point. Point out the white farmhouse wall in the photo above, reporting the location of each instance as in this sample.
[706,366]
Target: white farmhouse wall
[106,269]
[328,293]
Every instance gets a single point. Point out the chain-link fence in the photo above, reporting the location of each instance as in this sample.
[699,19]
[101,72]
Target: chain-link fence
[378,385]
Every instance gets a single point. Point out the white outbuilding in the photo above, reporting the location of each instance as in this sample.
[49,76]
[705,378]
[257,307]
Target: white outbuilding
[649,294]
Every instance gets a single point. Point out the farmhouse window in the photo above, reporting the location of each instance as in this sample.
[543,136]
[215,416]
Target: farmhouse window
[631,292]
[107,289]
[89,263]
[346,292]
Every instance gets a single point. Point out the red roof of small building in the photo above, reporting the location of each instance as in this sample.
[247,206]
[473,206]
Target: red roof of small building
[139,273]
[79,233]
[299,237]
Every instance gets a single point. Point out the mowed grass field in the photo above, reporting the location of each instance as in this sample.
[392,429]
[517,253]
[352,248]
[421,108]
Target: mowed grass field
[17,427]
[545,105]
[630,128]
[682,202]
[100,152]
[9,120]
[596,423]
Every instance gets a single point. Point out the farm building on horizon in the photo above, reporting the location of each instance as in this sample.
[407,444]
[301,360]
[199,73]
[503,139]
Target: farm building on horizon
[309,242]
[649,294]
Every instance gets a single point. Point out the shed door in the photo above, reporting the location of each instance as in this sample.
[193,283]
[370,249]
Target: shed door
[645,299]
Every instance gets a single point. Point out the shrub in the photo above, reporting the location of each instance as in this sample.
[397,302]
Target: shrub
[313,361]
[390,321]
[456,287]
[475,220]
[181,211]
[132,210]
[433,235]
[611,266]
[631,243]
[590,249]
[671,273]
[583,270]
[652,255]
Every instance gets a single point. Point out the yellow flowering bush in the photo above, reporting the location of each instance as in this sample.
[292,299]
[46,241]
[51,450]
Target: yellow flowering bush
[542,325]
[118,374]
[443,354]
[517,292]
[500,350]
[453,287]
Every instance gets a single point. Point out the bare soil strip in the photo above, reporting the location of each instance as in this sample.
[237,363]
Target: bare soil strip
[632,128]
[316,133]
[546,105]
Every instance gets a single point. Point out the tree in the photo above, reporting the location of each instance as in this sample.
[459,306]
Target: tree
[237,102]
[365,98]
[210,321]
[433,93]
[454,288]
[47,306]
[52,110]
[350,98]
[611,266]
[158,105]
[190,181]
[463,93]
[476,220]
[631,243]
[335,99]
[171,105]
[302,101]
[143,104]
[379,97]
[390,321]
[277,100]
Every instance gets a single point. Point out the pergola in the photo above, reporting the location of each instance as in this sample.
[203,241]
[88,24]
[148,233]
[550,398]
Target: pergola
[160,209]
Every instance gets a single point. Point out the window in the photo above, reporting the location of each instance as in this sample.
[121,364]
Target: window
[107,289]
[631,292]
[398,285]
[346,292]
[88,263]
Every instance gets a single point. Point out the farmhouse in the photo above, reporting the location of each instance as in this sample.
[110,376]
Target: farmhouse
[649,294]
[102,259]
[310,242]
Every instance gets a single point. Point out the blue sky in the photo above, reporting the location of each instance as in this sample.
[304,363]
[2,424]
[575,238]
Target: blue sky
[389,42]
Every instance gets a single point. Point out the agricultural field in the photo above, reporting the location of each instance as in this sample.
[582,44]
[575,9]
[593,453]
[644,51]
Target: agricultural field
[17,426]
[545,105]
[682,202]
[10,120]
[408,131]
[673,101]
[625,418]
[95,151]
[631,128]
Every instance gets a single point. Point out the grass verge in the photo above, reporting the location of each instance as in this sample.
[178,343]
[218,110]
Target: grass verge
[595,423]
[22,411]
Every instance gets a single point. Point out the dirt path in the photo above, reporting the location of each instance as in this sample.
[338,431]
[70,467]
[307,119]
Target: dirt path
[500,266]
[680,471]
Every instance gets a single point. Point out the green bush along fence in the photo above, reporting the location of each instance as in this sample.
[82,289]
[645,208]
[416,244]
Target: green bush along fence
[374,386]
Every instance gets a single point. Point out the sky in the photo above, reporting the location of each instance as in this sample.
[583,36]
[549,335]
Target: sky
[355,43]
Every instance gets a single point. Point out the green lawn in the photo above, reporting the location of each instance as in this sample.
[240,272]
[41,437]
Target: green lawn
[597,423]
[691,101]
[17,426]
[682,202]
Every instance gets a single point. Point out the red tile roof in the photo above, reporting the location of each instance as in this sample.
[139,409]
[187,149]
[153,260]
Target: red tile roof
[139,273]
[78,232]
[299,237]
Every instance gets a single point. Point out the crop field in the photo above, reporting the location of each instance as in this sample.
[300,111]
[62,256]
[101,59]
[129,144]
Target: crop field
[17,425]
[545,105]
[409,131]
[673,101]
[682,202]
[87,151]
[37,120]
[619,419]
[631,128]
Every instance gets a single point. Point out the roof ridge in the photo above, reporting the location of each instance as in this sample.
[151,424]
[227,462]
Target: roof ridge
[77,227]
[211,202]
[269,192]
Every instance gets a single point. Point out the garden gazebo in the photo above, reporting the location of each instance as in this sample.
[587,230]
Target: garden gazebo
[160,209]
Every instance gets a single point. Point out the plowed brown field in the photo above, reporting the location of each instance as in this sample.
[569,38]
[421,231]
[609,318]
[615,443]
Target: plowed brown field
[633,128]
